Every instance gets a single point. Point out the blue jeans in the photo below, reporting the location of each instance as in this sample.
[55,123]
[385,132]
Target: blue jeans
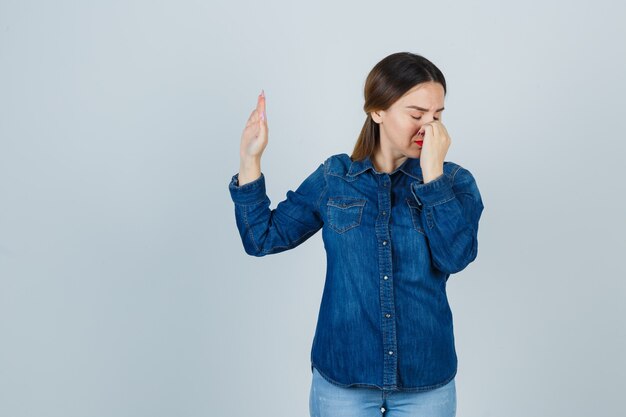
[329,400]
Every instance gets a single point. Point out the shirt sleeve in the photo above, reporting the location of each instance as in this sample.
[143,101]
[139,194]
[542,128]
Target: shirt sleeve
[266,231]
[451,210]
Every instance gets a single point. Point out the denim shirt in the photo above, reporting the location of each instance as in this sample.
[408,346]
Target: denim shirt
[391,244]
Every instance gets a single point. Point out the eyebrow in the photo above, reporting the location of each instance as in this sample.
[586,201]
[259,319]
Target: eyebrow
[423,109]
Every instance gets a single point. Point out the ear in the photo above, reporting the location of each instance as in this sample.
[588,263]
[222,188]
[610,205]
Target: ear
[376,116]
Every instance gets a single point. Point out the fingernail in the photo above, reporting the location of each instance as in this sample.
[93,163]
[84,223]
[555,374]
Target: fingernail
[263,115]
[262,93]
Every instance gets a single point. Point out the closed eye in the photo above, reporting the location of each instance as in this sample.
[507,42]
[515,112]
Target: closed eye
[418,118]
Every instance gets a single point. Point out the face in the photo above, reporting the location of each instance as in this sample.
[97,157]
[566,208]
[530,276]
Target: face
[400,123]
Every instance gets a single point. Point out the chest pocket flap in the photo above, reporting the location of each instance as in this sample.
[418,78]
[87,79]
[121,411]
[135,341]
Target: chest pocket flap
[344,213]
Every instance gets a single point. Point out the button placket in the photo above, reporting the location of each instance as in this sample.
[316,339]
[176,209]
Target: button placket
[389,342]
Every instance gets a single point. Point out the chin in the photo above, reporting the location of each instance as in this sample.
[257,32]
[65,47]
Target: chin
[414,153]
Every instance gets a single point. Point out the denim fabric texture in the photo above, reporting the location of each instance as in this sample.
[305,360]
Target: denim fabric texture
[391,244]
[329,400]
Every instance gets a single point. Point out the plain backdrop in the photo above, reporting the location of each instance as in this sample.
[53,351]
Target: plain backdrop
[124,287]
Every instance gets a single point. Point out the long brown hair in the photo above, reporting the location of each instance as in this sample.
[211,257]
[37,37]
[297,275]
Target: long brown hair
[389,80]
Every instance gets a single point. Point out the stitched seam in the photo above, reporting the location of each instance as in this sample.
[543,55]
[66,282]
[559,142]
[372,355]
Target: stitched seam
[344,229]
[454,173]
[344,177]
[442,201]
[295,219]
[414,215]
[245,219]
[355,201]
[319,200]
[291,244]
[252,204]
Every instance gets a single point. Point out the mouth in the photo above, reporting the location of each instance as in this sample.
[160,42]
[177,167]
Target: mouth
[420,139]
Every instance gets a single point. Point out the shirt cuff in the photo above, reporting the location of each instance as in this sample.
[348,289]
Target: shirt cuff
[249,193]
[434,192]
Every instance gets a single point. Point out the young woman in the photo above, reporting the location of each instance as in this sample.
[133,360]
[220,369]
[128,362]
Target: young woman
[397,220]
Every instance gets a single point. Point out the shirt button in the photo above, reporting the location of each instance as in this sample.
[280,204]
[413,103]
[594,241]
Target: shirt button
[387,315]
[384,213]
[391,352]
[385,277]
[384,242]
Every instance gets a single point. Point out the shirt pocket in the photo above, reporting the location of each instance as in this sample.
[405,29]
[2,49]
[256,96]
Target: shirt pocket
[344,213]
[416,215]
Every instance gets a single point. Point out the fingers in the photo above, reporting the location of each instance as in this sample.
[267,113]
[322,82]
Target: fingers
[424,128]
[252,119]
[435,126]
[436,129]
[256,114]
[439,128]
[261,105]
[443,128]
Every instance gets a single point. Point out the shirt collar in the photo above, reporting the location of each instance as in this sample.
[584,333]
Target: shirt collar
[411,167]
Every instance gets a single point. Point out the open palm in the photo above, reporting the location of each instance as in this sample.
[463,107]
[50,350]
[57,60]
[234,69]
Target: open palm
[254,136]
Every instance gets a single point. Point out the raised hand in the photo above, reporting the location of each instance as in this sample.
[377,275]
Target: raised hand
[254,136]
[434,149]
[253,143]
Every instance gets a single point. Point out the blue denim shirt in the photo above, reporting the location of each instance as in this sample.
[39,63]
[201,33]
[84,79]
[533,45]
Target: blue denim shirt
[391,244]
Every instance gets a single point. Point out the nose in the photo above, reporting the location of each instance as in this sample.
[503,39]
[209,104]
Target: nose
[427,118]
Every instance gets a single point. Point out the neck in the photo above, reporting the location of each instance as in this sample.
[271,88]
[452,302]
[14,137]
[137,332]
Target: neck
[386,161]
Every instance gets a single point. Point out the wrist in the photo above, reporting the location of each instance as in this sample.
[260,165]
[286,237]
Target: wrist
[249,170]
[432,174]
[249,160]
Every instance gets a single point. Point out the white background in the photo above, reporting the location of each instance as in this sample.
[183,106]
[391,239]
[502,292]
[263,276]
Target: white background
[124,286]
